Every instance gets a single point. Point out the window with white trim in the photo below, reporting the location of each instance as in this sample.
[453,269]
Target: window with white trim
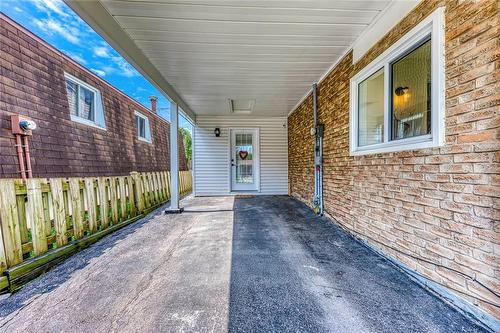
[85,103]
[143,129]
[397,101]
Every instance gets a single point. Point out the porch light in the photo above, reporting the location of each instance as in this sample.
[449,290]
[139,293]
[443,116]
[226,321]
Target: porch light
[400,91]
[217,132]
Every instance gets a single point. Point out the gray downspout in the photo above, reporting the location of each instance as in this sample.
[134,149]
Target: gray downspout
[317,131]
[315,105]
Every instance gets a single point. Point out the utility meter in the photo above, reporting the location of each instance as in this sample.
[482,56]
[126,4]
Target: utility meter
[22,125]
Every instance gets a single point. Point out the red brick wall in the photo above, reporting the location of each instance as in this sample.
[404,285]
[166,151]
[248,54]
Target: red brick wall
[438,204]
[32,83]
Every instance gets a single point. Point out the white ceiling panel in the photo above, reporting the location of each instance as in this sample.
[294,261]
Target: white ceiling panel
[270,51]
[318,4]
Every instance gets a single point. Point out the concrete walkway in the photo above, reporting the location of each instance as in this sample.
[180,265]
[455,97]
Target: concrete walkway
[262,264]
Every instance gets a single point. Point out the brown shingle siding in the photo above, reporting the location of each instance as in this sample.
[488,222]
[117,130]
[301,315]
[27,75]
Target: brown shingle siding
[440,204]
[32,84]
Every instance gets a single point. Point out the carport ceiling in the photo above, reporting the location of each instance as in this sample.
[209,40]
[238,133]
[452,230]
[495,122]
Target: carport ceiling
[209,51]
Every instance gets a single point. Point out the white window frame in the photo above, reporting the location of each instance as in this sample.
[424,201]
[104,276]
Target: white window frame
[433,26]
[147,127]
[99,121]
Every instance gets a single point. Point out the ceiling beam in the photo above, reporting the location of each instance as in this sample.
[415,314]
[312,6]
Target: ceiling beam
[99,19]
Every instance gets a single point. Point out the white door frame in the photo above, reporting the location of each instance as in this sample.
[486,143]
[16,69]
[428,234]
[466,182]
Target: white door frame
[256,157]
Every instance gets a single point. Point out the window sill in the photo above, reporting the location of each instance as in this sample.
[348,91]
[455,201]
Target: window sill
[396,146]
[86,122]
[145,140]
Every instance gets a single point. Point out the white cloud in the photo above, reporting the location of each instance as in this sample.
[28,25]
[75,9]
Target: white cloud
[101,51]
[124,68]
[17,9]
[98,71]
[68,33]
[78,58]
[52,26]
[39,23]
[115,64]
[51,6]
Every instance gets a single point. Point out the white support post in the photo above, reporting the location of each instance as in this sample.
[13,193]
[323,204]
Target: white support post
[174,160]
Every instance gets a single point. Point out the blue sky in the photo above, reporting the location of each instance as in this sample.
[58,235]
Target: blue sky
[57,24]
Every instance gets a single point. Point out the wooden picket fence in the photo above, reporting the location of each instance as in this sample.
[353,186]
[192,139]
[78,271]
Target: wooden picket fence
[43,220]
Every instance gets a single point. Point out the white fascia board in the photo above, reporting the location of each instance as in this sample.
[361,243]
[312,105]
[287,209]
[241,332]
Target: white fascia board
[385,21]
[96,15]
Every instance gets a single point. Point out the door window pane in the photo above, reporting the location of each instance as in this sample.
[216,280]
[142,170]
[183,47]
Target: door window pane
[87,104]
[411,93]
[244,157]
[371,109]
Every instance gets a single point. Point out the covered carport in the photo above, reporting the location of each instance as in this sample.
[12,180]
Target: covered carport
[239,68]
[244,256]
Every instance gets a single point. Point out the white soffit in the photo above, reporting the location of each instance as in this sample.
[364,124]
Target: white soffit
[382,25]
[209,51]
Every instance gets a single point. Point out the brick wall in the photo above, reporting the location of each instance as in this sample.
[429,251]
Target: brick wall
[32,83]
[437,204]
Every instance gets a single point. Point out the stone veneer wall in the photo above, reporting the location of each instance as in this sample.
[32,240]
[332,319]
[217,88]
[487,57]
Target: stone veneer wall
[438,204]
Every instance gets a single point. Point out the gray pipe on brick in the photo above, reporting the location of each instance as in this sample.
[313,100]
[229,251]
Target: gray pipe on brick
[315,105]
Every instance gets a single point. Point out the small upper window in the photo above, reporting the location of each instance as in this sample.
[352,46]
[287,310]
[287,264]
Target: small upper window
[397,101]
[85,104]
[142,124]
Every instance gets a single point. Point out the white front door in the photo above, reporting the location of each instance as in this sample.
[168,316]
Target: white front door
[244,159]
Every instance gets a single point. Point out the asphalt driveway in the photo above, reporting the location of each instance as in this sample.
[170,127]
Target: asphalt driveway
[259,264]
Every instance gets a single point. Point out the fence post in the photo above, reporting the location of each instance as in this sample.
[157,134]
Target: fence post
[103,202]
[138,191]
[91,203]
[10,251]
[34,209]
[76,207]
[167,185]
[113,199]
[56,188]
[131,195]
[123,198]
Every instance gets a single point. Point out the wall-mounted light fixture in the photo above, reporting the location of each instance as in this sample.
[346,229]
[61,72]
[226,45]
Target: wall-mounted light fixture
[400,91]
[217,132]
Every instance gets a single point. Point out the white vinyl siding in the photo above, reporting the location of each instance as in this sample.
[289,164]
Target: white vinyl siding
[212,154]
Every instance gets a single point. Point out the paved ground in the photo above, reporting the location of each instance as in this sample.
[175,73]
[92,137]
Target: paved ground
[262,264]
